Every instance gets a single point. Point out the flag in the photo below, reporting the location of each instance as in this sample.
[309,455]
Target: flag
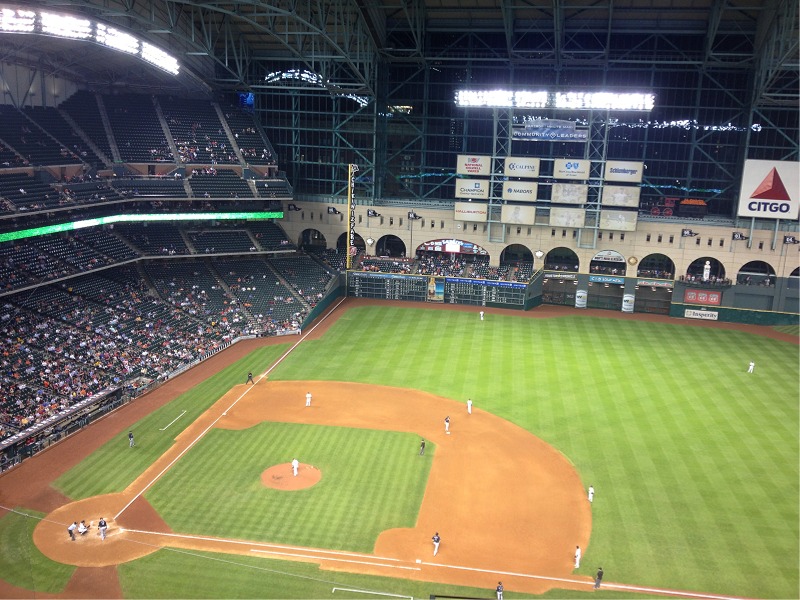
[354,168]
[738,236]
[332,210]
[790,239]
[372,213]
[413,216]
[292,207]
[687,233]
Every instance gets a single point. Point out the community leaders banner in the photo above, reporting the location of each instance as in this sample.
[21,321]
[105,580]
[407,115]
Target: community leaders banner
[569,193]
[521,167]
[571,168]
[518,215]
[471,211]
[770,189]
[474,165]
[620,195]
[617,170]
[524,191]
[567,217]
[618,220]
[477,189]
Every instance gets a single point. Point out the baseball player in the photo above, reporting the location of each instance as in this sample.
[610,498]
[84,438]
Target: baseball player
[751,367]
[469,406]
[591,494]
[422,447]
[598,579]
[436,540]
[577,557]
[499,590]
[481,315]
[295,466]
[71,530]
[102,526]
[250,378]
[447,425]
[131,443]
[308,399]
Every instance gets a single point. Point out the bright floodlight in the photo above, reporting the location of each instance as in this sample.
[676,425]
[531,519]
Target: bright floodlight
[65,26]
[558,100]
[159,58]
[18,21]
[114,38]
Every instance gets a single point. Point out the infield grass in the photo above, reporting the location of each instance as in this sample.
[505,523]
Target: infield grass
[372,481]
[694,461]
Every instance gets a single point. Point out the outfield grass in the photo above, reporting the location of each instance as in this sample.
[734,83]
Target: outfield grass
[21,562]
[370,483]
[694,462]
[93,476]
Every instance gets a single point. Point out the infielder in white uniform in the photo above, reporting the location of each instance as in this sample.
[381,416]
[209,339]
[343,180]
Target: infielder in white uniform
[308,399]
[469,406]
[447,425]
[295,466]
[591,494]
[577,557]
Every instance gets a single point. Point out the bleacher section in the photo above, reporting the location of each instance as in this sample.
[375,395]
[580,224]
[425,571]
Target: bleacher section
[308,278]
[53,123]
[197,131]
[155,239]
[222,241]
[82,108]
[269,236]
[136,129]
[29,140]
[273,188]
[254,148]
[164,187]
[218,183]
[27,194]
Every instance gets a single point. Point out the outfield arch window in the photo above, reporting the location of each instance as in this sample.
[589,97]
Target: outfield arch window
[756,272]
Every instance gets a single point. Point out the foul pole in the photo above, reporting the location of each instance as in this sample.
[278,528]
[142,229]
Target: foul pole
[352,250]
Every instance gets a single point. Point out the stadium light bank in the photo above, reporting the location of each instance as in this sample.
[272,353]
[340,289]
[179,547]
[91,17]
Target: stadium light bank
[555,100]
[26,21]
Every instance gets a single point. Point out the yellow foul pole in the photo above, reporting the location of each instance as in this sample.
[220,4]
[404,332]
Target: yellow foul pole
[352,250]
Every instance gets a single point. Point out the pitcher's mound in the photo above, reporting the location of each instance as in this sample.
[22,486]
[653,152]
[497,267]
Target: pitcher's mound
[280,477]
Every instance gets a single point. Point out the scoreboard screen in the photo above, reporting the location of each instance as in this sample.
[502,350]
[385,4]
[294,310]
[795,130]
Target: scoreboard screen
[457,290]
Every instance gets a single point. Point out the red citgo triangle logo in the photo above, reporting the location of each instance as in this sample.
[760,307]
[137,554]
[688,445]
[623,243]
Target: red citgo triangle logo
[771,188]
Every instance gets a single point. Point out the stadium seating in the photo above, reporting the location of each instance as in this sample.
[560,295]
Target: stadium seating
[255,149]
[197,131]
[136,129]
[55,125]
[83,109]
[29,140]
[219,183]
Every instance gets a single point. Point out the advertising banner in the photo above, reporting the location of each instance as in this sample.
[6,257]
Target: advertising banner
[518,215]
[620,195]
[471,211]
[435,289]
[702,297]
[628,301]
[524,191]
[618,170]
[474,165]
[581,298]
[521,167]
[571,168]
[770,189]
[472,188]
[618,220]
[707,315]
[569,193]
[567,217]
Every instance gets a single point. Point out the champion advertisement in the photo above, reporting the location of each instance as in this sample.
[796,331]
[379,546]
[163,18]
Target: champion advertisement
[521,167]
[770,190]
[617,170]
[470,211]
[569,193]
[524,191]
[571,168]
[472,188]
[474,165]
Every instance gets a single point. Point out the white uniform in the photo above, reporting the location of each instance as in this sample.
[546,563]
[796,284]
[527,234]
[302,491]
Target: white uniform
[752,367]
[447,425]
[436,539]
[469,407]
[577,557]
[295,466]
[591,493]
[481,315]
[308,399]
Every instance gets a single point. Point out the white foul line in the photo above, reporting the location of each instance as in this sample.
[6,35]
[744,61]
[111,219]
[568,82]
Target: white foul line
[173,420]
[213,423]
[344,560]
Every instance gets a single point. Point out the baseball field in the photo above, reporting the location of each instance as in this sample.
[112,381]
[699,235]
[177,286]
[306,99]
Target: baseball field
[695,465]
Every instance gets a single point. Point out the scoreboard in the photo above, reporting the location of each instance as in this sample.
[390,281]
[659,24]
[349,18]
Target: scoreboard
[387,286]
[482,292]
[457,290]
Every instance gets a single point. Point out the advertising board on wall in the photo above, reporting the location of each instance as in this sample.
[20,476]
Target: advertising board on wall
[770,189]
[619,170]
[515,166]
[518,215]
[470,211]
[469,164]
[707,315]
[618,220]
[712,297]
[571,168]
[472,188]
[569,193]
[620,195]
[524,191]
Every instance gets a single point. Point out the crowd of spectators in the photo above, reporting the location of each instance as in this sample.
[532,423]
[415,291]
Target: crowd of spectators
[436,263]
[387,265]
[613,269]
